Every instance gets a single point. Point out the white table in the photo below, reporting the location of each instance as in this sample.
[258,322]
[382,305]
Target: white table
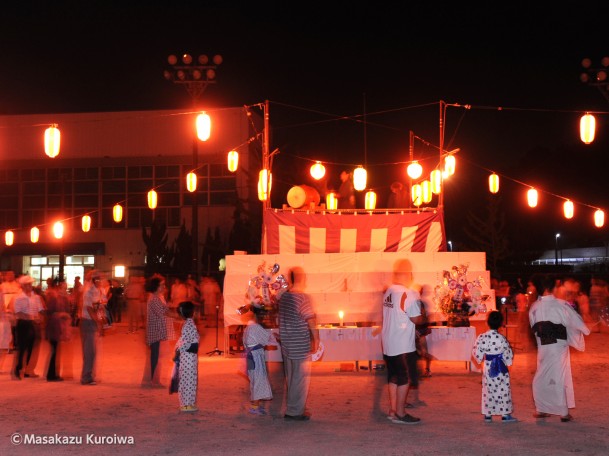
[348,343]
[351,343]
[451,344]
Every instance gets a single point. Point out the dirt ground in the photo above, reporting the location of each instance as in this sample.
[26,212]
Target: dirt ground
[348,410]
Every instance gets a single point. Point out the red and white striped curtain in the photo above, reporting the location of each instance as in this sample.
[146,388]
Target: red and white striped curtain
[301,232]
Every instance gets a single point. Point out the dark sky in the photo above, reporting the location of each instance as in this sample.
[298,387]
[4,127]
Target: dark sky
[324,68]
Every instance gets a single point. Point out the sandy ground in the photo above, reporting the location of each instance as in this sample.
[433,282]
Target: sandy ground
[348,410]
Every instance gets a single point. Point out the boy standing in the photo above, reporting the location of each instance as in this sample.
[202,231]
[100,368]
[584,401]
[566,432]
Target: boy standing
[497,353]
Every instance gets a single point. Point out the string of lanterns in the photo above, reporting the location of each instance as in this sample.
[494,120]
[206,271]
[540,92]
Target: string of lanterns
[52,137]
[421,193]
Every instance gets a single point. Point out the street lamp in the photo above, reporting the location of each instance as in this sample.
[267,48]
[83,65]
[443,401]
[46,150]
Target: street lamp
[194,77]
[596,76]
[450,246]
[556,249]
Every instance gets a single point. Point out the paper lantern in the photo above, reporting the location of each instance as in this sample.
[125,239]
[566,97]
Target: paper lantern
[117,213]
[493,183]
[191,181]
[532,197]
[58,230]
[449,165]
[414,170]
[264,184]
[52,139]
[9,237]
[34,235]
[587,128]
[86,223]
[568,209]
[436,181]
[426,193]
[370,200]
[359,178]
[331,201]
[233,161]
[599,218]
[152,199]
[417,195]
[318,170]
[203,126]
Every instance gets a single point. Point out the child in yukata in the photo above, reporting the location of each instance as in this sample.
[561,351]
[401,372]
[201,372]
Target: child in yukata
[497,354]
[185,375]
[255,337]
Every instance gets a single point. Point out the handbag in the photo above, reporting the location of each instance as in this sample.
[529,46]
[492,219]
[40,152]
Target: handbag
[174,385]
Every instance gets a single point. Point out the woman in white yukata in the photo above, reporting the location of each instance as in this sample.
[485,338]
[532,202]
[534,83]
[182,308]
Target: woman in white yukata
[187,359]
[497,353]
[255,337]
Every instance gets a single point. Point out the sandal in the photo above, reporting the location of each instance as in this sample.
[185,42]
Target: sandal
[566,418]
[541,415]
[508,419]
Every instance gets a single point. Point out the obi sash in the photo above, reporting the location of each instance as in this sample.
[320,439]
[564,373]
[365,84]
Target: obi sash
[251,364]
[497,365]
[549,332]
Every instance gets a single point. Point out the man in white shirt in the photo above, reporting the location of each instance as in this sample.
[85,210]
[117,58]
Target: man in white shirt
[401,312]
[28,309]
[93,301]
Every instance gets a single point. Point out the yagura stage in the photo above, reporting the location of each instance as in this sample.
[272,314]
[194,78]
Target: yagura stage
[350,282]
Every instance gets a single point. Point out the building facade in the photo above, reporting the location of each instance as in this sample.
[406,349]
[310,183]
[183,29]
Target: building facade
[117,158]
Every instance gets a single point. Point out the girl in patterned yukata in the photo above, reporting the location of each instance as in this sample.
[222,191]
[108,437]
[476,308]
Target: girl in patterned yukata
[497,353]
[187,359]
[255,337]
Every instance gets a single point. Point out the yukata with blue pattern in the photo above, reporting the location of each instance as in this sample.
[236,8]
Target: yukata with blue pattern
[497,354]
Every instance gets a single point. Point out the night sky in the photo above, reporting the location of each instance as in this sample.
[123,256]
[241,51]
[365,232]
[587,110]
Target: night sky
[326,69]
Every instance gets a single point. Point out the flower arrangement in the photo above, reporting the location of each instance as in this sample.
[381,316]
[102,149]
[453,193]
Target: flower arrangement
[458,295]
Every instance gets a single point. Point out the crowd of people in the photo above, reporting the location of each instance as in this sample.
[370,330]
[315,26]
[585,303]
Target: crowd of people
[30,314]
[558,315]
[557,311]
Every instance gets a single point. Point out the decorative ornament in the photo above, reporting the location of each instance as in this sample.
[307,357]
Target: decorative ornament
[458,295]
[264,289]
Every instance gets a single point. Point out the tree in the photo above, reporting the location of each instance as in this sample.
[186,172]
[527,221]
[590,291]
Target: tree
[182,248]
[242,236]
[158,254]
[487,232]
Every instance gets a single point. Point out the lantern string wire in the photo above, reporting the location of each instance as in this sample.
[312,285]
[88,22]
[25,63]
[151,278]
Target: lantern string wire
[358,118]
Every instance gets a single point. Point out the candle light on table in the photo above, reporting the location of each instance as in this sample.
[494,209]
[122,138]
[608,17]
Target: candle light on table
[341,315]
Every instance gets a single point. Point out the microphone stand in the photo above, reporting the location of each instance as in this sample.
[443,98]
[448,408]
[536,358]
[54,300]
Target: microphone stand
[216,351]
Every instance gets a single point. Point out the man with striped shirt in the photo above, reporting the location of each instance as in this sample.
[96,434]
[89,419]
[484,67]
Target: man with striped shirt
[299,338]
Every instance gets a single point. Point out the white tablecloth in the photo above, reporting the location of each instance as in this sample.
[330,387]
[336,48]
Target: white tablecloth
[359,344]
[349,343]
[451,344]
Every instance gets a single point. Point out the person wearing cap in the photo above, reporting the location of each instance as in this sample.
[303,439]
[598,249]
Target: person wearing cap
[29,309]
